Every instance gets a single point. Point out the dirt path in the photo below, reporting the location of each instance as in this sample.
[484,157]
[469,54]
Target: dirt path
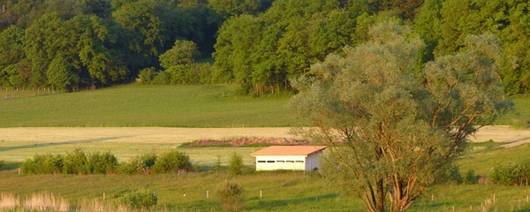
[510,137]
[503,134]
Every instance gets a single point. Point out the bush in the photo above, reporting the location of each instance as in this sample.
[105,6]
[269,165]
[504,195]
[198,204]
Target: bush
[172,161]
[43,164]
[102,163]
[76,162]
[162,78]
[138,199]
[471,177]
[512,174]
[141,164]
[230,195]
[146,75]
[236,164]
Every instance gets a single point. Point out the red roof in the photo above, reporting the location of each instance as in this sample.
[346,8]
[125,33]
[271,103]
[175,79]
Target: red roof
[289,150]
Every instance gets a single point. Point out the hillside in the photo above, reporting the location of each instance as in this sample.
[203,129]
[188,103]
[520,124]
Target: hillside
[132,105]
[169,106]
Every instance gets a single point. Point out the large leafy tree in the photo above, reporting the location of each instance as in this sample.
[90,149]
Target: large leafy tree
[392,133]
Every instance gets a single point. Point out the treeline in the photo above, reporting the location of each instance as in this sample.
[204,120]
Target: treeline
[267,52]
[262,45]
[72,44]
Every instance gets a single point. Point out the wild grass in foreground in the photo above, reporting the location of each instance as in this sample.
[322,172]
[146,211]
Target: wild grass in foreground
[276,191]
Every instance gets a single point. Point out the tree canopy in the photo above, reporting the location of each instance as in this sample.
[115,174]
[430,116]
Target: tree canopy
[392,132]
[261,45]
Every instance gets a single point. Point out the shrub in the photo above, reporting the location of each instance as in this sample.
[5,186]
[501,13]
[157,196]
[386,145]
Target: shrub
[183,52]
[512,174]
[173,161]
[102,163]
[76,162]
[138,199]
[141,164]
[162,78]
[471,177]
[146,75]
[236,164]
[230,195]
[43,164]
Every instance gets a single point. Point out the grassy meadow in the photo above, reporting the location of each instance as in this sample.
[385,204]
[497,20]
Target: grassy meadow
[282,191]
[168,106]
[136,105]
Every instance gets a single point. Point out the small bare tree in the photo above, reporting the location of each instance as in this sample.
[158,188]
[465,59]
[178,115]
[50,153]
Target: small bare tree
[393,126]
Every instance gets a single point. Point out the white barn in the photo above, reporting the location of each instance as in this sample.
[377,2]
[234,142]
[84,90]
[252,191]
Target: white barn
[306,158]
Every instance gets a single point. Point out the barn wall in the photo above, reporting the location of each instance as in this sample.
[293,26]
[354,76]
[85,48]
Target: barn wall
[278,164]
[313,162]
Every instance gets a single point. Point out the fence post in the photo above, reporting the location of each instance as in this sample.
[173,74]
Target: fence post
[261,194]
[207,194]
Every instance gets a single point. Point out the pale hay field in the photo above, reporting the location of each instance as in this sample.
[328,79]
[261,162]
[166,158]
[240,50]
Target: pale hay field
[18,144]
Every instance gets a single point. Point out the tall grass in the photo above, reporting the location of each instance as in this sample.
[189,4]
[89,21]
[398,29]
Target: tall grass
[45,201]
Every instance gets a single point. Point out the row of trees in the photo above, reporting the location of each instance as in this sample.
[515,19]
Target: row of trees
[266,52]
[70,44]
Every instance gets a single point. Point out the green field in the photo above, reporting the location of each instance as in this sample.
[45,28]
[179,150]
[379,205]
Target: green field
[169,106]
[520,116]
[282,191]
[135,105]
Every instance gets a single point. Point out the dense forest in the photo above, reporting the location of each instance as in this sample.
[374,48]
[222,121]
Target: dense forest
[264,46]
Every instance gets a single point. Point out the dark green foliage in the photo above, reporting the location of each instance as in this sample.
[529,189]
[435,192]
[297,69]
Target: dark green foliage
[43,164]
[94,43]
[61,75]
[230,196]
[450,175]
[102,163]
[142,164]
[172,162]
[471,177]
[235,166]
[142,199]
[261,53]
[512,174]
[76,162]
[238,7]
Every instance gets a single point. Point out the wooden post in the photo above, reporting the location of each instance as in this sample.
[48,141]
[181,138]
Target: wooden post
[432,197]
[494,199]
[104,196]
[207,194]
[260,194]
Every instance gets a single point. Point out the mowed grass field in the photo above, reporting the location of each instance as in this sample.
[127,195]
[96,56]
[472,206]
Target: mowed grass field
[282,191]
[169,106]
[137,105]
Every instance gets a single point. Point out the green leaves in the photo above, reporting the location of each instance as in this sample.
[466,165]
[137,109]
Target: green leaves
[392,130]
